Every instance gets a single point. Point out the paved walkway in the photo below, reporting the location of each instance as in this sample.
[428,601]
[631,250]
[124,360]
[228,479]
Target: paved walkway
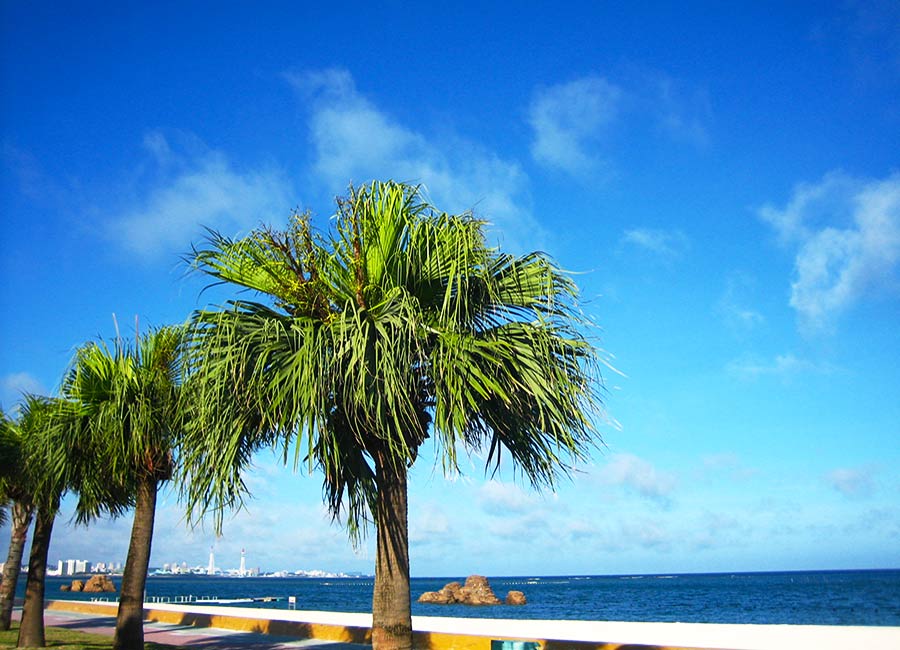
[189,636]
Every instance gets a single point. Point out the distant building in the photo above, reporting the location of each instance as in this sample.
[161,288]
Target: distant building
[72,567]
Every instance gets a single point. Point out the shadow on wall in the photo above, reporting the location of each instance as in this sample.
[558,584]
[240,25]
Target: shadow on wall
[291,629]
[363,636]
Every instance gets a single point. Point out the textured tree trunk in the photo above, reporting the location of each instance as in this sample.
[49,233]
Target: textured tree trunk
[130,619]
[391,614]
[21,520]
[31,628]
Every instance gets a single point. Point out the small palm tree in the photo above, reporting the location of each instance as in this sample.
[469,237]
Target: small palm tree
[45,476]
[401,325]
[13,491]
[58,454]
[128,398]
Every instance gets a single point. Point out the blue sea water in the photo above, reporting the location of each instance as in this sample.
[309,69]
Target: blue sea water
[801,598]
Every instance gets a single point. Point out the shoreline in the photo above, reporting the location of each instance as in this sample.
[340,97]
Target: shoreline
[445,633]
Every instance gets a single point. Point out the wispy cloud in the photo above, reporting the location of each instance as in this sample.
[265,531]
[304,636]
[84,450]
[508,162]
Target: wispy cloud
[576,124]
[569,120]
[733,307]
[853,482]
[646,533]
[15,385]
[497,497]
[638,476]
[727,464]
[196,188]
[783,365]
[429,526]
[354,140]
[846,236]
[668,244]
[680,111]
[717,530]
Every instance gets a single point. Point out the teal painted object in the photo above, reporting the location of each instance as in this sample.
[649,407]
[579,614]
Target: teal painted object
[497,644]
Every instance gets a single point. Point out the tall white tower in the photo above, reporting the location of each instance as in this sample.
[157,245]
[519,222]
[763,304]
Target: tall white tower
[243,564]
[211,569]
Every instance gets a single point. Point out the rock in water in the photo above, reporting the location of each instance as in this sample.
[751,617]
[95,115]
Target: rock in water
[98,583]
[477,591]
[77,585]
[448,595]
[65,587]
[435,598]
[515,598]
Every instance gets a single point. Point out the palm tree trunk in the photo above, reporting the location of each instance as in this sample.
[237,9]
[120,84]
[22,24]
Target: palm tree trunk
[130,618]
[391,613]
[21,520]
[31,628]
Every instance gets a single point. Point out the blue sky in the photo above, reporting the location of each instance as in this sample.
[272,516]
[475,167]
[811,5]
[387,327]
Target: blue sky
[724,180]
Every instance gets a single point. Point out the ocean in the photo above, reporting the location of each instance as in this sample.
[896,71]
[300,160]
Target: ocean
[799,598]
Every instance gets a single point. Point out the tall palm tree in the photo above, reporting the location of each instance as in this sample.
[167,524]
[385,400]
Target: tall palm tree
[129,399]
[15,492]
[400,325]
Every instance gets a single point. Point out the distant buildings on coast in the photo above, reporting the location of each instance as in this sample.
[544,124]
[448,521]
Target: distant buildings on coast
[176,569]
[79,567]
[76,567]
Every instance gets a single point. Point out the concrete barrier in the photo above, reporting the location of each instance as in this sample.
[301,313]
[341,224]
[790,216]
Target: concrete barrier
[440,633]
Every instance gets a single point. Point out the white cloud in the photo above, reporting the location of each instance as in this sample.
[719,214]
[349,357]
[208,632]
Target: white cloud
[354,140]
[429,526]
[639,476]
[15,385]
[646,533]
[852,482]
[503,498]
[716,530]
[783,365]
[523,529]
[846,234]
[200,188]
[569,121]
[668,244]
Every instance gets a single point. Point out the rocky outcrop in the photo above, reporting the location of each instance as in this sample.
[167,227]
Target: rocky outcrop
[446,596]
[99,583]
[476,591]
[77,585]
[65,587]
[515,598]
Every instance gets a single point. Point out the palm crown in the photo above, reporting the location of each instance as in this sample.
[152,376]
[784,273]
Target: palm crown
[401,324]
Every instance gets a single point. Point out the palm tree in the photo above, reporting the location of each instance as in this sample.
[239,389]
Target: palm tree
[400,325]
[13,490]
[129,399]
[46,473]
[57,455]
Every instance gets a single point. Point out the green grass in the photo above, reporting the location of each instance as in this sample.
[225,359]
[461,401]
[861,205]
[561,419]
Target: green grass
[61,639]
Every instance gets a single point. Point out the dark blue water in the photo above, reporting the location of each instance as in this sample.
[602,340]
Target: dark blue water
[801,598]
